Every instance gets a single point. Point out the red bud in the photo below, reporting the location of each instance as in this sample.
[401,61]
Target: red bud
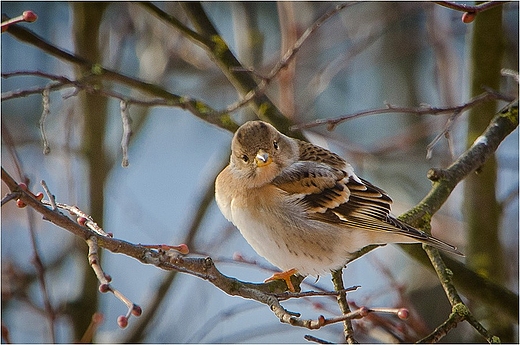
[122,321]
[403,314]
[29,16]
[468,17]
[136,310]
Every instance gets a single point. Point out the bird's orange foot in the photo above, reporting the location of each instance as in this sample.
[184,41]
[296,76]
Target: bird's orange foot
[285,276]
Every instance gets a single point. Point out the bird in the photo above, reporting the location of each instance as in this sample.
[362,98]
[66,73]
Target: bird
[302,207]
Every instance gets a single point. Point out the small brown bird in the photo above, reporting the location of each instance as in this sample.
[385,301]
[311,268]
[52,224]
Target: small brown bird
[302,207]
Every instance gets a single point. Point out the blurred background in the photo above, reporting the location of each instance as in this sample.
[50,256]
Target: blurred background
[368,55]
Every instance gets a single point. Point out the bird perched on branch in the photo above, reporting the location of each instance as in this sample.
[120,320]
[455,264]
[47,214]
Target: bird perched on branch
[302,207]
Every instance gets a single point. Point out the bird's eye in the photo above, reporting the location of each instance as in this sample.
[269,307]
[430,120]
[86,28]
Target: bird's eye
[245,158]
[275,145]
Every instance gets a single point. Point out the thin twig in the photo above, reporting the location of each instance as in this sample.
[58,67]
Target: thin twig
[421,110]
[105,279]
[127,131]
[295,320]
[32,91]
[316,340]
[46,111]
[10,196]
[51,197]
[290,54]
[46,75]
[63,82]
[348,330]
[288,295]
[444,133]
[470,8]
[83,218]
[196,37]
[506,72]
[26,16]
[81,84]
[442,330]
[284,61]
[60,82]
[40,273]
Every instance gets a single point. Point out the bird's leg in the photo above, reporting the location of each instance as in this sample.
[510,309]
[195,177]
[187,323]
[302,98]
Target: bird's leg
[285,276]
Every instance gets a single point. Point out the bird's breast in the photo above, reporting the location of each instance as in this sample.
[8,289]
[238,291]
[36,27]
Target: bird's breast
[276,226]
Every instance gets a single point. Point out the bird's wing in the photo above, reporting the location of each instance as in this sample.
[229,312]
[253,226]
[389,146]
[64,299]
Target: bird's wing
[313,153]
[318,185]
[369,208]
[335,196]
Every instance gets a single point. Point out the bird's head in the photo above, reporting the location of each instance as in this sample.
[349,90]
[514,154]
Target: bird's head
[259,152]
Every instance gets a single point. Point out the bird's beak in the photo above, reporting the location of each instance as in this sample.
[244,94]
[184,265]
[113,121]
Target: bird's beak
[262,158]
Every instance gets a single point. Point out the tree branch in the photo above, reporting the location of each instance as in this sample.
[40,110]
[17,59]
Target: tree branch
[421,110]
[289,55]
[348,331]
[197,107]
[241,78]
[460,312]
[204,268]
[466,280]
[445,180]
[470,8]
